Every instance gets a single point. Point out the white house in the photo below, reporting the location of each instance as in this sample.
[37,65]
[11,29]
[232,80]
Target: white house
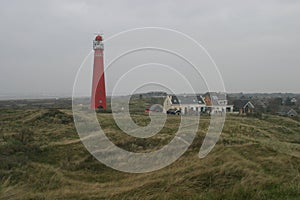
[188,104]
[216,102]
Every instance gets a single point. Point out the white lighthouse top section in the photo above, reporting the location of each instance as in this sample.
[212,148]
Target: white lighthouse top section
[97,43]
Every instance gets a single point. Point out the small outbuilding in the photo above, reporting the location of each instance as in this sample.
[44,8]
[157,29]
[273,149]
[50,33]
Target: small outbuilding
[288,112]
[292,113]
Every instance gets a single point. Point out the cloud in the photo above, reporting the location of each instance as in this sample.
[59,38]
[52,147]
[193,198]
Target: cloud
[256,43]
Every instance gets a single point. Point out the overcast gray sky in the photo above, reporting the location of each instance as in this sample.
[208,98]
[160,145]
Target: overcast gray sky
[256,44]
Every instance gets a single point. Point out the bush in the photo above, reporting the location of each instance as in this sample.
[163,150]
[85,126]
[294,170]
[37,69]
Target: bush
[25,135]
[258,115]
[54,116]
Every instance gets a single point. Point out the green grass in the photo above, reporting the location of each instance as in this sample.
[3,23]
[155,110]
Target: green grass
[255,158]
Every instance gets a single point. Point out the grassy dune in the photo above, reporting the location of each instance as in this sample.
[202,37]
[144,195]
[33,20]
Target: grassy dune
[41,157]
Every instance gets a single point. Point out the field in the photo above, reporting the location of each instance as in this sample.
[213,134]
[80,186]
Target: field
[42,157]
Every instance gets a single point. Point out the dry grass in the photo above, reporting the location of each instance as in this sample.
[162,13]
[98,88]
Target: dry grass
[254,159]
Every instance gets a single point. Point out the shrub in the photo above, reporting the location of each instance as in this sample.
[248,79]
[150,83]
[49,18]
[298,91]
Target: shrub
[258,115]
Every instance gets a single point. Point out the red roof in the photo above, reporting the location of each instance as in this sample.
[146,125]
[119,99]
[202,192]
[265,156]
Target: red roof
[98,38]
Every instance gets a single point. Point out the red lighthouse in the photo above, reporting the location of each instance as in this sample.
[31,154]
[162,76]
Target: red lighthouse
[98,99]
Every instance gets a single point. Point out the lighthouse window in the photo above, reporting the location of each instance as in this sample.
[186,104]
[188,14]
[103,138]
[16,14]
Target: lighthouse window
[100,101]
